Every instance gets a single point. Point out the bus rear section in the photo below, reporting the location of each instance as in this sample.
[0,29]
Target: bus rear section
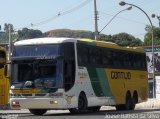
[117,73]
[4,80]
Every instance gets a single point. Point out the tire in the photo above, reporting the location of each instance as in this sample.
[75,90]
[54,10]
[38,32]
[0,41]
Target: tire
[134,101]
[82,105]
[38,111]
[120,107]
[128,104]
[94,109]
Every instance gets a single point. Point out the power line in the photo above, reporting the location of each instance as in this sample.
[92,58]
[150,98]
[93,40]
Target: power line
[62,13]
[129,8]
[131,20]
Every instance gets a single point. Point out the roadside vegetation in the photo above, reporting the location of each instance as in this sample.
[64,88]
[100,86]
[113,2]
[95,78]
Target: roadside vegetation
[122,39]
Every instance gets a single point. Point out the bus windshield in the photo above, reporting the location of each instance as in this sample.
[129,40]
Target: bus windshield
[37,50]
[36,75]
[41,73]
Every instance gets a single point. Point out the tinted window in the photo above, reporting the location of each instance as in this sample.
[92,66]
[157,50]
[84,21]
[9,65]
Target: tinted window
[2,59]
[112,58]
[69,65]
[37,50]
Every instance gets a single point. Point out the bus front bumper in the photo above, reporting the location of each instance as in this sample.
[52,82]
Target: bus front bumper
[38,103]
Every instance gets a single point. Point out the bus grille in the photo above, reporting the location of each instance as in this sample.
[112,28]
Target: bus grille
[29,95]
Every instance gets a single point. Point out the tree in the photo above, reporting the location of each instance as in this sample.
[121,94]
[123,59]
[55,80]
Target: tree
[107,38]
[6,28]
[4,37]
[26,33]
[148,36]
[124,39]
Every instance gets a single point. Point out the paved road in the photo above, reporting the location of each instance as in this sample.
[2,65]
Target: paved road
[103,114]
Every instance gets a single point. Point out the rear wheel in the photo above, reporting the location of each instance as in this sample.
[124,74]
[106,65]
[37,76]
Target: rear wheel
[134,100]
[128,104]
[82,105]
[129,101]
[38,111]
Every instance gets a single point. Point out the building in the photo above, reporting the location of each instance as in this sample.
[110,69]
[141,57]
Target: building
[149,55]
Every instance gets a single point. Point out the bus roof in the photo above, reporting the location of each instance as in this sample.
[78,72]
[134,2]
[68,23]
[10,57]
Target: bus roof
[46,40]
[113,45]
[50,40]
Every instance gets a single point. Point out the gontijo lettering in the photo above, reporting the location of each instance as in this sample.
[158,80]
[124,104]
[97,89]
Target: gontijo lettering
[120,75]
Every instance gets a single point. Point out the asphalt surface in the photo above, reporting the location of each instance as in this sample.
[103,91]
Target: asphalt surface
[64,114]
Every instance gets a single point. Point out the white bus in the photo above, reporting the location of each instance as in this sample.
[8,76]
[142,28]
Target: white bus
[76,74]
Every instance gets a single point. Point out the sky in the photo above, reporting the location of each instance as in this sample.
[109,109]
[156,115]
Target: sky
[47,15]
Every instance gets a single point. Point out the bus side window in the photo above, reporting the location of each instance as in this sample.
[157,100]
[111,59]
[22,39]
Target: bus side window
[144,62]
[138,62]
[92,56]
[117,59]
[68,75]
[69,66]
[2,59]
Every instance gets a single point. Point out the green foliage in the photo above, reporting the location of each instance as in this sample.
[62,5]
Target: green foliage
[26,33]
[103,37]
[148,36]
[122,39]
[4,37]
[6,28]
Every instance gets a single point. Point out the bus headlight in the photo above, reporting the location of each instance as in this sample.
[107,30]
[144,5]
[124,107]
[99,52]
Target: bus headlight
[15,104]
[54,102]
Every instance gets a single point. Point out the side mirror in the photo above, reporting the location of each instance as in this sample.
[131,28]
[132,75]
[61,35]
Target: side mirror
[5,70]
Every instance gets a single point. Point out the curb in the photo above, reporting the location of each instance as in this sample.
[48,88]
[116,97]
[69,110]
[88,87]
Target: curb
[150,104]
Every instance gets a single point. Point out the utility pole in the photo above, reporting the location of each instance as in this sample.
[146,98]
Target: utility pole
[96,20]
[158,17]
[9,49]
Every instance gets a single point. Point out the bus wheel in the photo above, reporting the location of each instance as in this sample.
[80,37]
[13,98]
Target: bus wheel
[82,105]
[129,101]
[38,111]
[94,109]
[120,107]
[128,104]
[134,100]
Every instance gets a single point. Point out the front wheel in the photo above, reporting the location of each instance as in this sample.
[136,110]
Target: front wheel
[82,105]
[38,111]
[94,109]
